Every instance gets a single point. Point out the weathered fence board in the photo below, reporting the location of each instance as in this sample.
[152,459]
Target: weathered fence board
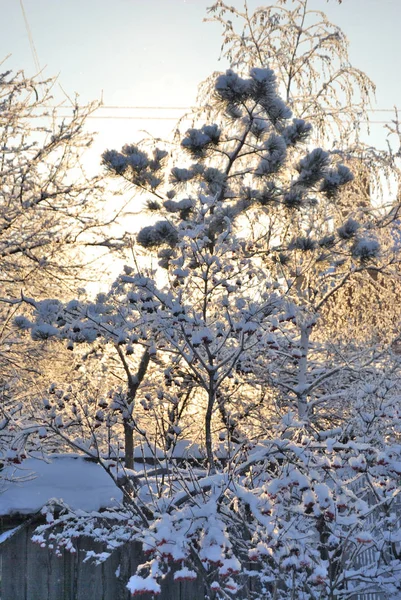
[38,572]
[191,589]
[13,567]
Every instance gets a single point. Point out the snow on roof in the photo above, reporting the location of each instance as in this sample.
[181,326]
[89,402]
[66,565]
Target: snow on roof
[78,482]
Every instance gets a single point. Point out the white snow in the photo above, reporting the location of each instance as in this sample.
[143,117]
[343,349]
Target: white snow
[184,574]
[79,483]
[141,585]
[230,565]
[7,534]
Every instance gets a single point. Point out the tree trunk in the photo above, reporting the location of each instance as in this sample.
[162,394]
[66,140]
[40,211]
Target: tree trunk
[128,444]
[208,432]
[303,365]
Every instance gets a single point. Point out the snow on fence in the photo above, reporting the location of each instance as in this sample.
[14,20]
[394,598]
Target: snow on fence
[29,572]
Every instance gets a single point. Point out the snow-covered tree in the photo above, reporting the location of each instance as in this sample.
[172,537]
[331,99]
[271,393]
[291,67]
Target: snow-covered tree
[309,248]
[309,55]
[50,214]
[47,201]
[221,340]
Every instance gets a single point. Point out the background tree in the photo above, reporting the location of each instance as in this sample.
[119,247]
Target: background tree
[309,55]
[310,58]
[50,215]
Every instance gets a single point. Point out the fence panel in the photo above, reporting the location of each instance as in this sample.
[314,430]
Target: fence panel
[29,572]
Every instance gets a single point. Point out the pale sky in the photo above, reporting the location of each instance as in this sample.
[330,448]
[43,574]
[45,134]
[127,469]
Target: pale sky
[155,52]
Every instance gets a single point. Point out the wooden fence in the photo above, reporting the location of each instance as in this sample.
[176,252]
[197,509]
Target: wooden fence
[29,572]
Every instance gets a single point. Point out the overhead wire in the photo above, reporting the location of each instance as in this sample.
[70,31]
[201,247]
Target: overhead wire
[147,107]
[121,107]
[153,118]
[180,108]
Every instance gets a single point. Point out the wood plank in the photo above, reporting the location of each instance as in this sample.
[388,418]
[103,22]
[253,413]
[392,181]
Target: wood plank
[37,569]
[112,588]
[56,575]
[136,557]
[124,562]
[89,576]
[192,590]
[13,559]
[70,569]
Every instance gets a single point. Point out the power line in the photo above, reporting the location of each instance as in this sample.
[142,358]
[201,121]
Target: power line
[145,117]
[110,117]
[121,107]
[104,106]
[126,118]
[382,109]
[152,118]
[142,117]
